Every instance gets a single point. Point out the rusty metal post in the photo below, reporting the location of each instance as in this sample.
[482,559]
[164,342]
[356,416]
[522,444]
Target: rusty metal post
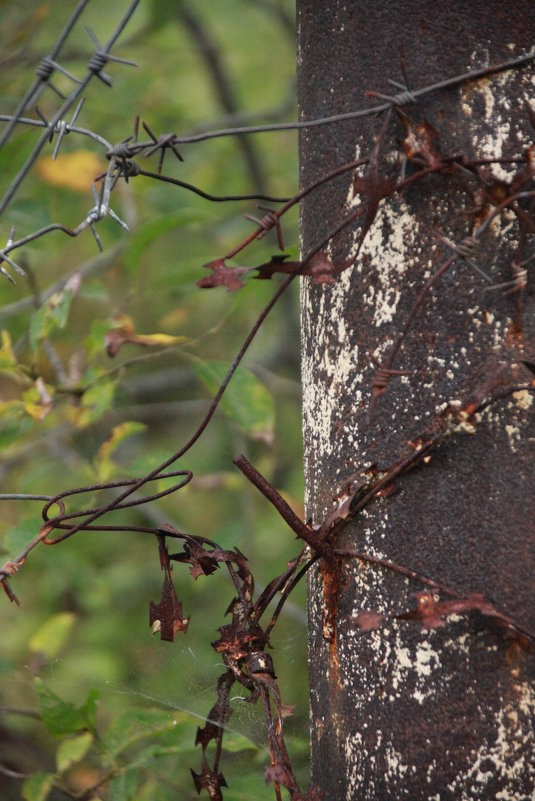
[401,711]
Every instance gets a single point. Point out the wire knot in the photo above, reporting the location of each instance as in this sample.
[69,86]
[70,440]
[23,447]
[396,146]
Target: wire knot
[45,68]
[97,62]
[122,150]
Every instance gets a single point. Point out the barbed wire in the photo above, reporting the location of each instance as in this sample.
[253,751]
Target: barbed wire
[121,156]
[95,68]
[44,73]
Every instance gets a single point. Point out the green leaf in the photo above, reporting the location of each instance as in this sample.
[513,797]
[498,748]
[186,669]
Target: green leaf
[52,314]
[14,423]
[156,228]
[19,535]
[73,750]
[62,717]
[59,305]
[95,402]
[148,755]
[135,725]
[247,401]
[233,742]
[146,461]
[37,786]
[49,638]
[123,787]
[95,341]
[39,327]
[104,461]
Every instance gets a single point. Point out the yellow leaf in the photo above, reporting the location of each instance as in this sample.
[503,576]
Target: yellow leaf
[52,634]
[123,332]
[151,340]
[38,401]
[74,171]
[7,357]
[8,361]
[104,460]
[175,318]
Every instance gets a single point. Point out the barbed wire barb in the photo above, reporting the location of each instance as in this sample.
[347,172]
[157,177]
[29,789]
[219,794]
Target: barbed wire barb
[5,257]
[95,66]
[63,127]
[101,57]
[43,77]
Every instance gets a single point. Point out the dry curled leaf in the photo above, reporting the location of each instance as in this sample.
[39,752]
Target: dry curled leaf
[123,333]
[223,276]
[210,781]
[319,267]
[431,612]
[421,142]
[369,620]
[374,186]
[167,615]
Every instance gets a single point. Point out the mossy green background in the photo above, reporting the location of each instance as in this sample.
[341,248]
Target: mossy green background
[83,620]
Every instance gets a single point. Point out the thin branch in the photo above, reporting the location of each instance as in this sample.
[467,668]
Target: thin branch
[209,52]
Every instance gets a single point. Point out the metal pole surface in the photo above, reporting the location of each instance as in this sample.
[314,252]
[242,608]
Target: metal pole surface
[400,710]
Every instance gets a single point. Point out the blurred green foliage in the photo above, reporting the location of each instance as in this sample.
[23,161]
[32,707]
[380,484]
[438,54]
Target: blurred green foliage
[88,697]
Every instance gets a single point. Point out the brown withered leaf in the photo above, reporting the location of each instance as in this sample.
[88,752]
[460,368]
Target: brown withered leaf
[431,612]
[421,141]
[277,264]
[369,620]
[123,332]
[116,338]
[320,267]
[211,782]
[219,714]
[168,612]
[223,276]
[373,185]
[279,775]
[201,561]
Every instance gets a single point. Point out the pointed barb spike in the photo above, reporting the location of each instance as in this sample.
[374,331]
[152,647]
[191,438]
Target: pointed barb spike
[104,78]
[57,91]
[93,37]
[61,135]
[77,110]
[116,178]
[97,238]
[148,130]
[117,219]
[179,156]
[7,275]
[125,61]
[41,115]
[65,72]
[397,84]
[13,264]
